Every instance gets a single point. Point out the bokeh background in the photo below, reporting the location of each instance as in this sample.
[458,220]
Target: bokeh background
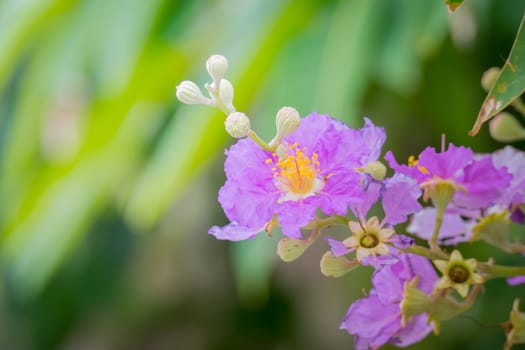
[108,184]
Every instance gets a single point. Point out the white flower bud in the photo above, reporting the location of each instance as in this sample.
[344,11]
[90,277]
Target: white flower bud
[189,93]
[287,121]
[237,124]
[226,94]
[217,65]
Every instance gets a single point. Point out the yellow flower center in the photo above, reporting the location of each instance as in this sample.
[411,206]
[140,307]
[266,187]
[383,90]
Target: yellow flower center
[296,174]
[413,162]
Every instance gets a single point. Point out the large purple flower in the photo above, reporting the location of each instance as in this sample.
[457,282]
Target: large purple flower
[376,319]
[477,182]
[314,168]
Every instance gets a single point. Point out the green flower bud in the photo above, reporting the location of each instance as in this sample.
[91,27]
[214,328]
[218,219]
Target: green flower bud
[290,249]
[415,301]
[376,169]
[332,266]
[441,194]
[505,128]
[489,78]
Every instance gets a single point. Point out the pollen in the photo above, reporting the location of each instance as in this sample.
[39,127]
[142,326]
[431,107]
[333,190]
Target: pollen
[413,162]
[295,172]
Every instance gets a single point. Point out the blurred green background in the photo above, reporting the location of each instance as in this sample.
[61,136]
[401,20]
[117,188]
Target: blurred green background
[108,185]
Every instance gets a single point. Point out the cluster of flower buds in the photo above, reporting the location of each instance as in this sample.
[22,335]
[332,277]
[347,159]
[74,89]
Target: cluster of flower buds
[317,172]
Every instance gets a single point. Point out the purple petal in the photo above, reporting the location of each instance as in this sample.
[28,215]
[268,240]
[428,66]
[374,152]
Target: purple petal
[513,281]
[453,228]
[372,320]
[379,261]
[401,241]
[234,232]
[374,138]
[399,198]
[293,215]
[484,184]
[336,144]
[514,161]
[249,208]
[341,190]
[369,198]
[388,285]
[445,164]
[411,171]
[415,331]
[337,247]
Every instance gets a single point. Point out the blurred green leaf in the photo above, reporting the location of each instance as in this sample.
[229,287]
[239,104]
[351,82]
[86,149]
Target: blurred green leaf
[415,30]
[510,84]
[54,203]
[348,58]
[21,23]
[252,262]
[39,244]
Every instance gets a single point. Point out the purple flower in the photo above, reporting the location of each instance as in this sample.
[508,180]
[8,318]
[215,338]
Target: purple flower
[376,319]
[477,182]
[314,169]
[513,195]
[453,230]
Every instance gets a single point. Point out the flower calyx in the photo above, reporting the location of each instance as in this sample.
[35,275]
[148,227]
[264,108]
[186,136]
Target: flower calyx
[368,239]
[515,327]
[458,273]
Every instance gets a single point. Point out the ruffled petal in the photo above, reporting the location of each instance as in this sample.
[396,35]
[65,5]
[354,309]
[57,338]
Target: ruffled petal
[234,232]
[400,198]
[484,184]
[445,164]
[374,137]
[293,215]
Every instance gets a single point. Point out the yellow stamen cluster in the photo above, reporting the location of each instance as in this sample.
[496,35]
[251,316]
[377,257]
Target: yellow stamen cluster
[413,162]
[295,172]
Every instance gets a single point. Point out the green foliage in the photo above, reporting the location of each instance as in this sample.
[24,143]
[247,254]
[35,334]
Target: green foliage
[510,84]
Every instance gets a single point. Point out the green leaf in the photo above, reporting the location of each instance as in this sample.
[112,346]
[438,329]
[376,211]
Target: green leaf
[509,85]
[348,58]
[453,4]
